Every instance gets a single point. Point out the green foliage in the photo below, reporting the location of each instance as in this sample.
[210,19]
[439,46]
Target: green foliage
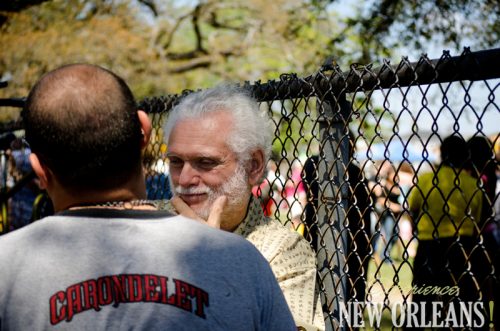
[415,24]
[296,127]
[162,47]
[55,33]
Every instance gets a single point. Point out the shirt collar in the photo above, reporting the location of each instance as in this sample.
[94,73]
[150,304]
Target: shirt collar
[253,218]
[115,213]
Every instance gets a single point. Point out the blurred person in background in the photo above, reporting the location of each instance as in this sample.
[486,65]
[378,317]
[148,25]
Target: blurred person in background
[446,208]
[21,203]
[388,206]
[359,210]
[157,183]
[484,167]
[296,197]
[269,191]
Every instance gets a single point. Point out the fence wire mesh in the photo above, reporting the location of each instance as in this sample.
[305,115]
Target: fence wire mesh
[351,157]
[349,151]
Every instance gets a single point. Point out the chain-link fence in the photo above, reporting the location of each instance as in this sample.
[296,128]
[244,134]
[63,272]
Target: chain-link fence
[357,169]
[350,149]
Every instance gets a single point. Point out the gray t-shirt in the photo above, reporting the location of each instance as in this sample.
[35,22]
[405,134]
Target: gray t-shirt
[96,269]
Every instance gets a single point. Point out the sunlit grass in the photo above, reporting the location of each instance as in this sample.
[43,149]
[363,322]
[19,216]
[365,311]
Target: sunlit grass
[389,282]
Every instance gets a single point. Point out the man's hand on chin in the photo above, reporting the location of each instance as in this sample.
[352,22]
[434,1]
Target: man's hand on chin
[214,219]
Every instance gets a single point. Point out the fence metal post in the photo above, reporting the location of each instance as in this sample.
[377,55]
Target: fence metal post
[332,199]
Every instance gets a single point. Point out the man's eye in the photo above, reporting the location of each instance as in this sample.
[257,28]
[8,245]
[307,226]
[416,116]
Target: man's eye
[207,163]
[175,162]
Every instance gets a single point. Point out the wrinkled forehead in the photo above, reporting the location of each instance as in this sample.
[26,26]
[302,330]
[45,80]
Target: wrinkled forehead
[202,135]
[214,125]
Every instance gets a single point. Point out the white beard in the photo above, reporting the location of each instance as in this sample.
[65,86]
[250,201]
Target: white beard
[235,189]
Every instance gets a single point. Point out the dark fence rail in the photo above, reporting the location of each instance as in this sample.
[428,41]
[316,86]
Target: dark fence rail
[471,66]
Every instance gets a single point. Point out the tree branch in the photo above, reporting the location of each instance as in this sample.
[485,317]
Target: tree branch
[18,5]
[151,5]
[170,36]
[216,24]
[196,28]
[202,62]
[186,55]
[199,50]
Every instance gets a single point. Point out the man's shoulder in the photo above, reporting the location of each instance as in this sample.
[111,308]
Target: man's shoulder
[172,234]
[23,233]
[425,177]
[15,244]
[468,179]
[214,238]
[156,225]
[223,237]
[267,226]
[273,238]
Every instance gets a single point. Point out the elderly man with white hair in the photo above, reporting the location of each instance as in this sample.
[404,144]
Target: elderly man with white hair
[219,143]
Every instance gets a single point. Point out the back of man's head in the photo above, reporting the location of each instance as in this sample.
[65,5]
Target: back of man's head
[454,151]
[81,121]
[481,151]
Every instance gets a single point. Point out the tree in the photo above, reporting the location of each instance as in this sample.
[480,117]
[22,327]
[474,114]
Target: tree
[163,47]
[389,24]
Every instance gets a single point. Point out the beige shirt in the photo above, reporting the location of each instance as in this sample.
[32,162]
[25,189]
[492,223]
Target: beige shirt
[292,261]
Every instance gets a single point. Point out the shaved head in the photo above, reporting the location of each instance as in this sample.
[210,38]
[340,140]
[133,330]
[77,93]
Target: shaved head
[81,121]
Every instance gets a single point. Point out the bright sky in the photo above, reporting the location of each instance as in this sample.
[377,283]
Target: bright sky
[450,110]
[450,107]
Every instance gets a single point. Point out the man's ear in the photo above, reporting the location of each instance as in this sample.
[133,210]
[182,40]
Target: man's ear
[145,127]
[256,167]
[41,171]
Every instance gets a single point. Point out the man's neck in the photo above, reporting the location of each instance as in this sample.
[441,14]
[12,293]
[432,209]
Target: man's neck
[139,204]
[64,199]
[232,218]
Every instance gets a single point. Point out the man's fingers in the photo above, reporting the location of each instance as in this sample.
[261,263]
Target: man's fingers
[183,209]
[214,219]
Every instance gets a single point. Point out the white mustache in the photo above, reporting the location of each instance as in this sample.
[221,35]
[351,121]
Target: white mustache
[192,190]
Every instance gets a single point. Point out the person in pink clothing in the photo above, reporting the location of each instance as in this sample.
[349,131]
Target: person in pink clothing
[295,194]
